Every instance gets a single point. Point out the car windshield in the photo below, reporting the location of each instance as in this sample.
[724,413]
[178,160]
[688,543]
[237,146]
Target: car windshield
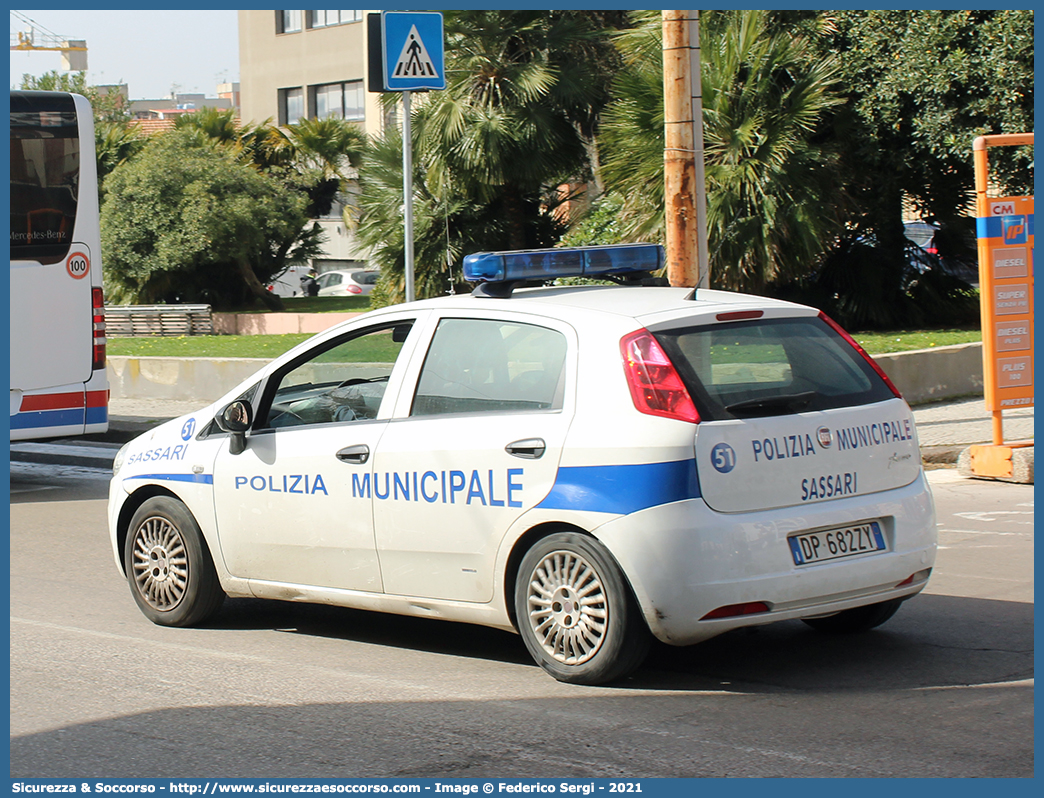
[770,367]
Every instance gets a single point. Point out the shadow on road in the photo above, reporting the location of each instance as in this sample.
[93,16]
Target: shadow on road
[933,641]
[775,701]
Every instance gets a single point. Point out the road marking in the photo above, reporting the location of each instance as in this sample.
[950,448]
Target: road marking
[66,449]
[939,476]
[750,749]
[55,471]
[981,685]
[984,532]
[32,488]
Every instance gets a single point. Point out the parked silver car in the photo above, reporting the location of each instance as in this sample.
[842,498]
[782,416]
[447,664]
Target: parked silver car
[348,283]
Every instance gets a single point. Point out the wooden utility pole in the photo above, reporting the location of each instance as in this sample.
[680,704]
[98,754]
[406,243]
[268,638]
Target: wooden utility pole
[684,212]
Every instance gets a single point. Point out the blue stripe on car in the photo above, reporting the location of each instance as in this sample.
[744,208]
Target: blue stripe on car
[622,489]
[201,479]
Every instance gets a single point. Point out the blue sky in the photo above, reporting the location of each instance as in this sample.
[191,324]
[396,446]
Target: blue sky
[150,51]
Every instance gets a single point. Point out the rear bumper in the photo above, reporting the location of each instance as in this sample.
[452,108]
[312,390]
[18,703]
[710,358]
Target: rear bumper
[684,560]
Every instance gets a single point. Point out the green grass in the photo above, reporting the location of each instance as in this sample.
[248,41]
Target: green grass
[215,346]
[883,343]
[271,346]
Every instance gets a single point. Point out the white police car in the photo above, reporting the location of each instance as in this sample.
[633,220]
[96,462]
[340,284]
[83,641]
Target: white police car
[591,465]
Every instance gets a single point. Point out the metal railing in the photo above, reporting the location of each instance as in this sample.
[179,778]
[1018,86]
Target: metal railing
[128,320]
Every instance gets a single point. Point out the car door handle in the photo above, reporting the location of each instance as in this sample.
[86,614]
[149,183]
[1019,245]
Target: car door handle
[528,449]
[354,454]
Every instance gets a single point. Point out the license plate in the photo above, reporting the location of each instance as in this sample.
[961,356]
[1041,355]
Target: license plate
[834,544]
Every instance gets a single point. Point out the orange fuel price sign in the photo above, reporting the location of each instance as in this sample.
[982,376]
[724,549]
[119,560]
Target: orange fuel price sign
[1004,228]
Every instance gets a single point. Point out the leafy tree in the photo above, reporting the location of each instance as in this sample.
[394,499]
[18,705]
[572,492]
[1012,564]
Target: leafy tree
[188,220]
[919,85]
[312,161]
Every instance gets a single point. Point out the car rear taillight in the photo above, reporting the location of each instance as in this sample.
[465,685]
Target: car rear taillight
[656,388]
[919,576]
[873,363]
[732,610]
[98,352]
[354,289]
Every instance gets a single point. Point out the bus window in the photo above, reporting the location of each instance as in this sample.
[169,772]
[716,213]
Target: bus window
[45,175]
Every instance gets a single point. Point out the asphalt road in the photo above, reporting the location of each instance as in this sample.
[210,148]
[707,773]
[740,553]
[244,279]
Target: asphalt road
[282,690]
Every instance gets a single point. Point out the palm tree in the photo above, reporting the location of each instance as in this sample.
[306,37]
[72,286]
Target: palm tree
[449,223]
[515,121]
[218,124]
[324,154]
[632,138]
[771,205]
[115,142]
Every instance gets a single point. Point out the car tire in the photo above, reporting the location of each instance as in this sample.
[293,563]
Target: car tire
[858,619]
[168,565]
[576,613]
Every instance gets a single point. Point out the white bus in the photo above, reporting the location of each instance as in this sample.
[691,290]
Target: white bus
[58,381]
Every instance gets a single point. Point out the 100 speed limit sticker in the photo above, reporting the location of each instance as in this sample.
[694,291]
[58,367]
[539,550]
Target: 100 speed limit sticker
[78,265]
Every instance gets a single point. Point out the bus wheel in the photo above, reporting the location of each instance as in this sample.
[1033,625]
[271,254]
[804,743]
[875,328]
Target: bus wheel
[576,613]
[168,565]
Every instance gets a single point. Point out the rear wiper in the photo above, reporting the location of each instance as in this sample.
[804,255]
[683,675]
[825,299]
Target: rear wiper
[774,405]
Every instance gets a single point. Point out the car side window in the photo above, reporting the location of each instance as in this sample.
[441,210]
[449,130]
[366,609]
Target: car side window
[344,381]
[487,366]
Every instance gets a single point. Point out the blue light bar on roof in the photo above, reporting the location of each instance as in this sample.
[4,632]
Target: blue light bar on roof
[549,264]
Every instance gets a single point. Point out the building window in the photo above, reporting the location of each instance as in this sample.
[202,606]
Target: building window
[325,19]
[338,100]
[288,21]
[291,106]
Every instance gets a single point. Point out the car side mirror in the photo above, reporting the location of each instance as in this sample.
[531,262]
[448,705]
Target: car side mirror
[236,419]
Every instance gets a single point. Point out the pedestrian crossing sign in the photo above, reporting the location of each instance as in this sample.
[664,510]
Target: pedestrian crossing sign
[413,51]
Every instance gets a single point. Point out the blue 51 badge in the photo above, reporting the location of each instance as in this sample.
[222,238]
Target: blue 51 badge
[723,458]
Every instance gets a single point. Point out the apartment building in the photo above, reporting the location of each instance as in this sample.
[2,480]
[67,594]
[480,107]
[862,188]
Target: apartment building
[309,64]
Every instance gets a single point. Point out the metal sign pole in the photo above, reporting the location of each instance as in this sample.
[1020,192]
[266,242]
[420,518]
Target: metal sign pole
[407,192]
[696,87]
[406,55]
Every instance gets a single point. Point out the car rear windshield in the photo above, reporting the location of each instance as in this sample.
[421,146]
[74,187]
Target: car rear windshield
[770,367]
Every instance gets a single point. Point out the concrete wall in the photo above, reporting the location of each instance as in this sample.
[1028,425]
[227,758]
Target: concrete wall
[177,379]
[930,375]
[926,375]
[276,323]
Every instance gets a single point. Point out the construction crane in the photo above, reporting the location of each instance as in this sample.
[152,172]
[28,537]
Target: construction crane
[74,51]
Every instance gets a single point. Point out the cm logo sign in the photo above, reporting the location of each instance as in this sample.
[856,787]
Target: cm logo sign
[78,265]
